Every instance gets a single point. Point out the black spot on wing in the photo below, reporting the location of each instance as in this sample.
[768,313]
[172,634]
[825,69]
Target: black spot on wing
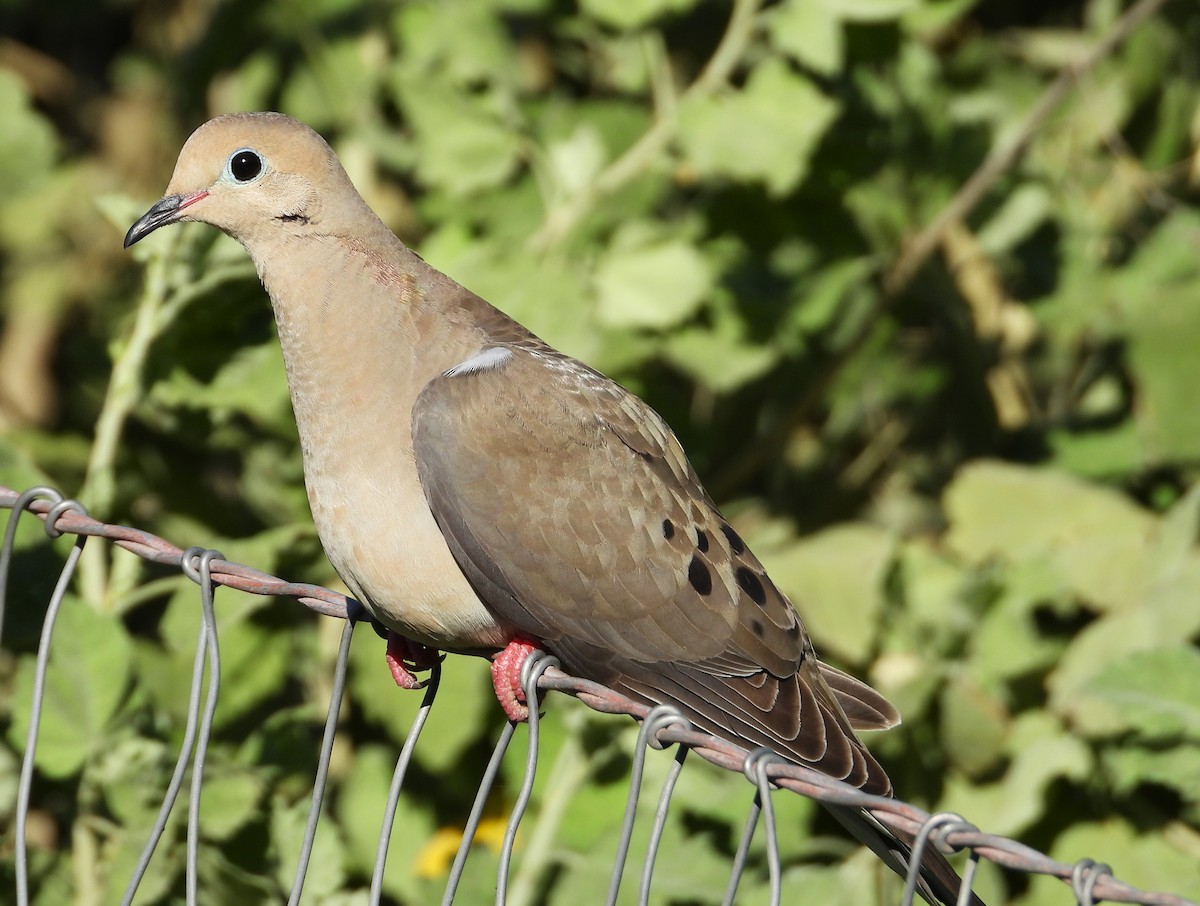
[699,576]
[701,540]
[736,544]
[750,584]
[668,529]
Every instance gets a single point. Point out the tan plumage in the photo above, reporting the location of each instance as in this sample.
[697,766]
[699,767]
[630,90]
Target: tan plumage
[471,484]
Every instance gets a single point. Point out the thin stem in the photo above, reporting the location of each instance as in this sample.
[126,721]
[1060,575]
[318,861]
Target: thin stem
[560,220]
[124,390]
[158,308]
[85,862]
[1003,158]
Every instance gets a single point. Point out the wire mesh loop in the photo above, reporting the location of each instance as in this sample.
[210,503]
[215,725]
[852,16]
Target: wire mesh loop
[660,718]
[942,825]
[56,511]
[537,663]
[660,813]
[657,719]
[755,766]
[25,783]
[1084,875]
[23,502]
[196,562]
[936,829]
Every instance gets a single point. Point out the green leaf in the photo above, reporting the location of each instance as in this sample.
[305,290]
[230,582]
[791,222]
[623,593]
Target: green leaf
[229,801]
[1176,768]
[28,144]
[1094,537]
[463,148]
[810,32]
[1166,613]
[836,578]
[338,83]
[573,163]
[359,807]
[871,10]
[631,14]
[86,679]
[716,360]
[10,772]
[1161,353]
[1103,454]
[655,285]
[1155,693]
[767,132]
[974,726]
[1149,859]
[133,772]
[250,384]
[1042,752]
[326,870]
[1006,642]
[1025,210]
[254,666]
[456,44]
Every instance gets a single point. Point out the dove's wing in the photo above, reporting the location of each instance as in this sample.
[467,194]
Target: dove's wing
[575,514]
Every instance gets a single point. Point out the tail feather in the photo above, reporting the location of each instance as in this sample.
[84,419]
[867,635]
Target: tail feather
[938,883]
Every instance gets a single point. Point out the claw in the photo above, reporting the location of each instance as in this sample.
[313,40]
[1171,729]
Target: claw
[506,677]
[404,656]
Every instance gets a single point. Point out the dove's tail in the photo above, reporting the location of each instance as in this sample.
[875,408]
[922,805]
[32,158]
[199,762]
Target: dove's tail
[938,884]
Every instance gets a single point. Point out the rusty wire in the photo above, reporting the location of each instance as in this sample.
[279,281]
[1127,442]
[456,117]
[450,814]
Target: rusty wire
[662,726]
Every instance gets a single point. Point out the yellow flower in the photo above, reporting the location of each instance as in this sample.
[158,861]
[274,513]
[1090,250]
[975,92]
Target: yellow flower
[434,859]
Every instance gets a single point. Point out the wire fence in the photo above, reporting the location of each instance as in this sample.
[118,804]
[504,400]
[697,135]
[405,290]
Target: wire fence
[661,727]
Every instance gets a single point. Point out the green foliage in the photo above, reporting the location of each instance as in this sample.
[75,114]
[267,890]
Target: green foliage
[980,491]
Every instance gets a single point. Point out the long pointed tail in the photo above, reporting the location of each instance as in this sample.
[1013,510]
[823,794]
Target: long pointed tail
[939,883]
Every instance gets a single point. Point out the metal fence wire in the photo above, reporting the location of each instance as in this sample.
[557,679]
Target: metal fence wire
[661,727]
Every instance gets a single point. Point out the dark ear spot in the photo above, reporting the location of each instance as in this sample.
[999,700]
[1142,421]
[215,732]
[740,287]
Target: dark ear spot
[699,576]
[750,584]
[701,540]
[736,544]
[668,529]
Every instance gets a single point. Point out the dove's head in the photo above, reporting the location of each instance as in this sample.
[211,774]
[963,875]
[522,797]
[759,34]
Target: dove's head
[256,176]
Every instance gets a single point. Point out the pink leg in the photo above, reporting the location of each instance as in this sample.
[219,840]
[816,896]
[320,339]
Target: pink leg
[506,677]
[405,656]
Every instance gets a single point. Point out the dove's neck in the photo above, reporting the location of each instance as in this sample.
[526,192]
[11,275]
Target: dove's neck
[364,325]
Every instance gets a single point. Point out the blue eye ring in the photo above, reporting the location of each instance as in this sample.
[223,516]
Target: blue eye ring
[245,165]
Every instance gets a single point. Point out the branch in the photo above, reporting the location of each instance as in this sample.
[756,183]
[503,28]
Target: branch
[638,157]
[1003,158]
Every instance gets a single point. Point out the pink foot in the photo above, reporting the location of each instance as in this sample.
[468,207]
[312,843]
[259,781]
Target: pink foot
[405,656]
[506,677]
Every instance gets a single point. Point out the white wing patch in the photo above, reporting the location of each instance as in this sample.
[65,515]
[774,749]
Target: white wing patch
[487,360]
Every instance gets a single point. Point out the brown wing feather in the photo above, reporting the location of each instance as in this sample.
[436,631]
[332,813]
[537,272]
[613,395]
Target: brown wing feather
[573,511]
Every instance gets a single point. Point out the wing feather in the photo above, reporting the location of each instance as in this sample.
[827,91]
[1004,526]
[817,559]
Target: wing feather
[574,513]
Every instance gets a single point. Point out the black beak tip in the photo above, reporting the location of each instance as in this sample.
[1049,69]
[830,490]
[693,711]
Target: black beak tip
[160,214]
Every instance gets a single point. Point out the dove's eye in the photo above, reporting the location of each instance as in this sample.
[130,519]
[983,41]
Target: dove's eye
[245,165]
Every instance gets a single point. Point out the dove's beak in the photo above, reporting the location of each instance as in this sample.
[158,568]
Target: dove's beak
[168,210]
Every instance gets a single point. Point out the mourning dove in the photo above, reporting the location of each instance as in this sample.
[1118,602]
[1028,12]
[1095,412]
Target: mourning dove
[481,492]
